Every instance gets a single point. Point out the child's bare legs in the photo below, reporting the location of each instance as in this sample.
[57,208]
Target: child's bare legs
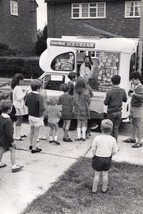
[96,181]
[51,134]
[79,123]
[31,135]
[35,136]
[83,125]
[134,128]
[66,129]
[104,181]
[56,132]
[2,150]
[42,133]
[12,155]
[18,128]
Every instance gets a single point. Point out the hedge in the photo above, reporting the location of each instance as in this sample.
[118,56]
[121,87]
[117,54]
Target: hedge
[28,66]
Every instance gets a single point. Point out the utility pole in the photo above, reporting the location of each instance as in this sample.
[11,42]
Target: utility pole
[141,39]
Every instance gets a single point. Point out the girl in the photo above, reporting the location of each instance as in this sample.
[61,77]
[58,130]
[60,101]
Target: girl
[19,104]
[82,101]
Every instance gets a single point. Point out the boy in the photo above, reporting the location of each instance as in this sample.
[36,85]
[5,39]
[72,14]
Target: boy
[66,101]
[72,76]
[114,98]
[103,147]
[6,135]
[136,111]
[36,109]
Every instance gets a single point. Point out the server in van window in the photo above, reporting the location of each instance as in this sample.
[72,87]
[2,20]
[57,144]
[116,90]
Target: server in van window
[88,70]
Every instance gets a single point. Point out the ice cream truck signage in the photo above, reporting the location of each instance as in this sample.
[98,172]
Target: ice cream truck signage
[110,56]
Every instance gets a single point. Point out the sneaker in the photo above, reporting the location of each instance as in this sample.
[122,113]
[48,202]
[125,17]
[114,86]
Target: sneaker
[67,140]
[42,138]
[2,165]
[129,140]
[83,139]
[137,145]
[38,139]
[36,150]
[23,135]
[30,147]
[17,168]
[104,191]
[78,139]
[51,141]
[56,142]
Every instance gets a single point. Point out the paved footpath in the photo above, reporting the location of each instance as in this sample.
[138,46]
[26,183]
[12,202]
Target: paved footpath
[41,170]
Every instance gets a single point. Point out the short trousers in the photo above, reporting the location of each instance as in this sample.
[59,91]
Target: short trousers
[53,125]
[101,163]
[36,121]
[136,112]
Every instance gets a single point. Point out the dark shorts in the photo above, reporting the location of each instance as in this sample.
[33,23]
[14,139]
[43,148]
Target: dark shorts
[101,163]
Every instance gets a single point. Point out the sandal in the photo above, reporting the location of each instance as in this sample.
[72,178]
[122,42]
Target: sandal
[137,145]
[2,165]
[129,140]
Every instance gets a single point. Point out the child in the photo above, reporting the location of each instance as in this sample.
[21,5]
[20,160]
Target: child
[136,111]
[36,109]
[66,100]
[18,97]
[72,76]
[6,135]
[114,98]
[54,114]
[103,147]
[82,101]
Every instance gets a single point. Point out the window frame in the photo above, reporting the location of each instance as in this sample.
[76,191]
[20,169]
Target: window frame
[134,6]
[89,7]
[14,8]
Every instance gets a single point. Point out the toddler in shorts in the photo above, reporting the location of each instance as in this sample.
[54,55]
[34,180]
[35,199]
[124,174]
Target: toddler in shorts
[103,147]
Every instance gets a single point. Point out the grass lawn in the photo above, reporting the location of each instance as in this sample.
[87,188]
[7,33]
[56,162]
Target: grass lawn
[71,194]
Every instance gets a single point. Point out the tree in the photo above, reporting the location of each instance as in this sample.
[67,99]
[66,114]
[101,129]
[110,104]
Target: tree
[41,41]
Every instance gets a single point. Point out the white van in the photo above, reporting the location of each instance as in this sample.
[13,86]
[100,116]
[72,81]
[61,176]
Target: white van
[114,56]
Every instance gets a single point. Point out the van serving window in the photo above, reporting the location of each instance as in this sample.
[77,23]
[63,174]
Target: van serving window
[53,82]
[64,62]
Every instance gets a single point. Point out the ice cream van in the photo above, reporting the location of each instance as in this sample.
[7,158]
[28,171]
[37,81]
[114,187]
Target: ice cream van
[113,55]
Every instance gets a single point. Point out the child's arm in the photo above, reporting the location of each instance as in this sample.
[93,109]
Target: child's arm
[125,97]
[115,148]
[107,99]
[8,128]
[94,147]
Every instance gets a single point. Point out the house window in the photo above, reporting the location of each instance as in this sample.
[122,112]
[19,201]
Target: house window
[132,9]
[88,10]
[14,8]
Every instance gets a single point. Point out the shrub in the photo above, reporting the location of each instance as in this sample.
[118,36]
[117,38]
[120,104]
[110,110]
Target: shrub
[28,66]
[6,51]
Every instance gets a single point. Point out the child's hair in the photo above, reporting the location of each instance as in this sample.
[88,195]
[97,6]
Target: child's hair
[72,75]
[65,87]
[116,79]
[135,75]
[4,95]
[53,101]
[80,85]
[15,81]
[5,105]
[36,84]
[106,126]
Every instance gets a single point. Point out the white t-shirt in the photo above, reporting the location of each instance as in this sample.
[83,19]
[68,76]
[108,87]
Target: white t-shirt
[104,146]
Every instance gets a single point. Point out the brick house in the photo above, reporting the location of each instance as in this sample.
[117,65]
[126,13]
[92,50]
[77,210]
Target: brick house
[86,17]
[18,24]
